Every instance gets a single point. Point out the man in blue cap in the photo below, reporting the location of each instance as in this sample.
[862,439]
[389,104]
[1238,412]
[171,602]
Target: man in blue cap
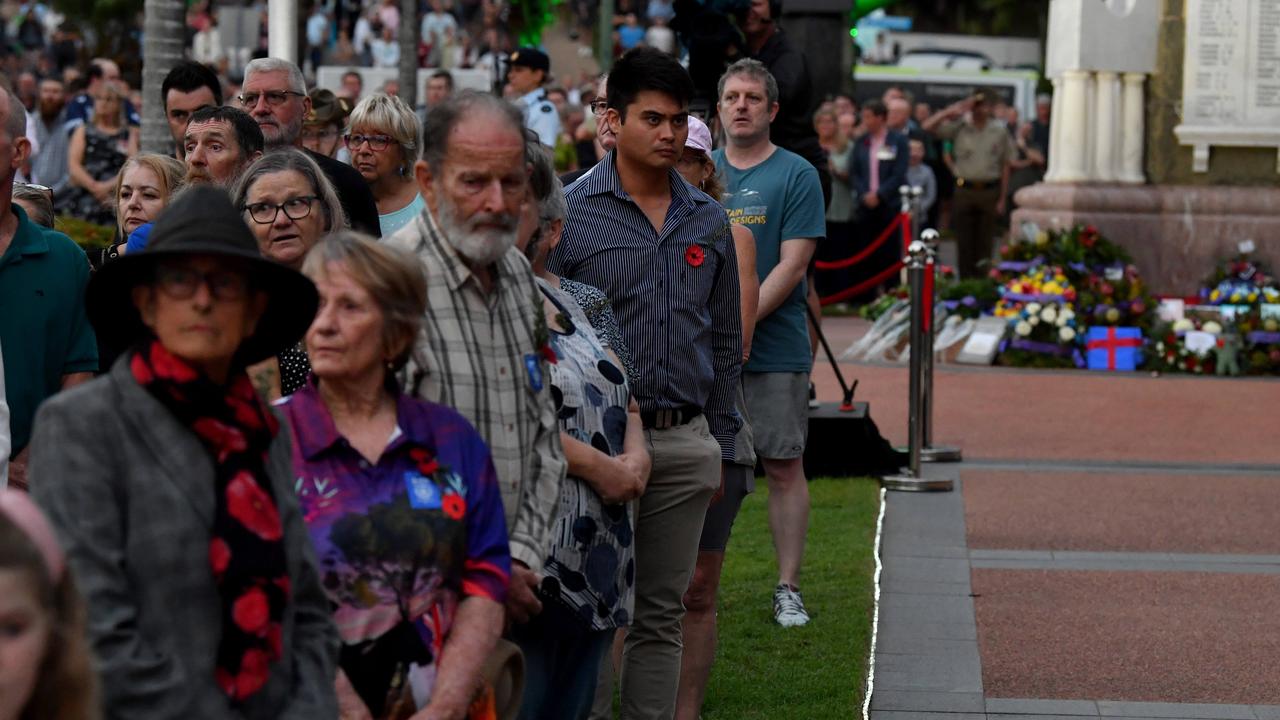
[528,74]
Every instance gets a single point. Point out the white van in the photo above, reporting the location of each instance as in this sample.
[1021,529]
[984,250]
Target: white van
[940,87]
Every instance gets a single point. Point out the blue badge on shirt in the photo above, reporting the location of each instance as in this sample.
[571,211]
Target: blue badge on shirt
[423,493]
[535,372]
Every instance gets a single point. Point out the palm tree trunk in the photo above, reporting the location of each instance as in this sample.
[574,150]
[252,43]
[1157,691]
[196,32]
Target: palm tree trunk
[409,52]
[164,45]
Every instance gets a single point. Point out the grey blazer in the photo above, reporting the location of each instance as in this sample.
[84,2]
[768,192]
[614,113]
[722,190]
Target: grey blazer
[130,493]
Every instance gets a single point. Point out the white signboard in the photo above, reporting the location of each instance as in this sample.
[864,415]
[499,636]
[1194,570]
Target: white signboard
[1230,76]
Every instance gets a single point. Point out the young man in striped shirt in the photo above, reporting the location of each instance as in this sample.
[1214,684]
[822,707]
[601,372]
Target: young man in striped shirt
[663,253]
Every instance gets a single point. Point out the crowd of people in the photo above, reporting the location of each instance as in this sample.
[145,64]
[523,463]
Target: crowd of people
[347,439]
[968,158]
[366,407]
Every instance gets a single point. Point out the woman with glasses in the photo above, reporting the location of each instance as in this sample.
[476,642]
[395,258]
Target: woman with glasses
[170,483]
[383,141]
[289,205]
[97,151]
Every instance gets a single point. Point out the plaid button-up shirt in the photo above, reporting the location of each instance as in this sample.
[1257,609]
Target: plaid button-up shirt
[480,353]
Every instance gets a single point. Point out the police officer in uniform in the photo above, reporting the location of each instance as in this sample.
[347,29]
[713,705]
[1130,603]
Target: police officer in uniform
[528,73]
[983,149]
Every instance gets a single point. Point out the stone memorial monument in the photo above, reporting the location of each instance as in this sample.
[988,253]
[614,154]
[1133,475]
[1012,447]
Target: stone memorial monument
[1165,131]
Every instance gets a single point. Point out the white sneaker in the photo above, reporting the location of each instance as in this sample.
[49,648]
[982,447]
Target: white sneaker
[788,608]
[813,398]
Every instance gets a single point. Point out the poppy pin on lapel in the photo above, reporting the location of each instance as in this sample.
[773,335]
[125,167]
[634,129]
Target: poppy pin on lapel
[694,255]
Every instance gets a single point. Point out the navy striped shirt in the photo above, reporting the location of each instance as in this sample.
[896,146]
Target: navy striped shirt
[675,294]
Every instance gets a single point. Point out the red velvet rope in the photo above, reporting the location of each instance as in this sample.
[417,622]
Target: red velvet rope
[863,286]
[847,262]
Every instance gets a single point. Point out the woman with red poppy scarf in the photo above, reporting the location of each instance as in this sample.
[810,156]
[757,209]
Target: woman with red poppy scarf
[170,486]
[399,495]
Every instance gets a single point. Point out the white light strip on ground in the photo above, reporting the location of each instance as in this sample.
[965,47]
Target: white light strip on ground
[875,613]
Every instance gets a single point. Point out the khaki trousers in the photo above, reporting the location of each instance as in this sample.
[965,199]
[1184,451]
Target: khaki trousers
[973,215]
[686,473]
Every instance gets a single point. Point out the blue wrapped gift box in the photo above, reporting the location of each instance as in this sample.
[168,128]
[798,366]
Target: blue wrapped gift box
[1113,348]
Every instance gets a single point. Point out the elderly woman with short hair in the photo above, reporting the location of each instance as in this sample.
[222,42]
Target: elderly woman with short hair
[289,205]
[170,485]
[383,141]
[400,496]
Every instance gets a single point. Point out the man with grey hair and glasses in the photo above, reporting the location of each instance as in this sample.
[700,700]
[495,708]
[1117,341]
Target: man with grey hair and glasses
[484,346]
[275,95]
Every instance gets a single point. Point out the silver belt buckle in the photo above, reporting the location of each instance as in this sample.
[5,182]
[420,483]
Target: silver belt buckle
[664,419]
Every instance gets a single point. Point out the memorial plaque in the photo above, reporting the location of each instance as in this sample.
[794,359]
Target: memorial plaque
[1231,76]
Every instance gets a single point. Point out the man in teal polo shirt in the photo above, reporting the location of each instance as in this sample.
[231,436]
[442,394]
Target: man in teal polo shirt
[45,335]
[778,196]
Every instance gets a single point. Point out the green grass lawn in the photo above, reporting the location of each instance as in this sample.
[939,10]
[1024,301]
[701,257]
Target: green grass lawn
[816,671]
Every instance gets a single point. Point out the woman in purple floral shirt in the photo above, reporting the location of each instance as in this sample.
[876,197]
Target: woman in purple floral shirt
[399,495]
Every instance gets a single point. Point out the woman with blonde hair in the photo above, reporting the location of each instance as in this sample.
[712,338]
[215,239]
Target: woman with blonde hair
[143,188]
[98,150]
[383,141]
[48,672]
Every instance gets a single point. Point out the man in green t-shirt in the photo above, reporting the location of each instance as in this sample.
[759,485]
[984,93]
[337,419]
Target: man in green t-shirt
[45,335]
[778,196]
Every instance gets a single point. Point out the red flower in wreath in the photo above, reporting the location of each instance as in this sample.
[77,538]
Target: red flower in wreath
[253,507]
[219,556]
[694,255]
[454,506]
[251,611]
[549,354]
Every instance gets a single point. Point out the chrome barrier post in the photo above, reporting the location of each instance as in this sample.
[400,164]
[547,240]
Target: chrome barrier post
[912,479]
[929,452]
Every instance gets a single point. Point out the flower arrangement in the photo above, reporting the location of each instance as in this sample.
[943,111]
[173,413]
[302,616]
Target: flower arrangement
[1080,251]
[1240,281]
[1261,335]
[1170,353]
[970,298]
[1043,284]
[1043,335]
[883,304]
[1117,297]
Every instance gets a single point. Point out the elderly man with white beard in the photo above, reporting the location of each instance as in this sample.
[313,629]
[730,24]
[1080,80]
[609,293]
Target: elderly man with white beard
[484,347]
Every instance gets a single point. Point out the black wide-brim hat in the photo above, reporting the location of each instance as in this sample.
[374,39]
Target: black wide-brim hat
[202,221]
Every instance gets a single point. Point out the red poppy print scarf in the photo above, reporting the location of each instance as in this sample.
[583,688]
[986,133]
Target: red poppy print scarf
[246,552]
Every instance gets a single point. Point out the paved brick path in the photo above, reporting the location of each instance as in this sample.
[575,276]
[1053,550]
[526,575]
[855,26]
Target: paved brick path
[1111,549]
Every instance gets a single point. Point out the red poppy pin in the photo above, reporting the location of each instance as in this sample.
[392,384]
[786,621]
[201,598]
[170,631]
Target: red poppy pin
[694,255]
[549,353]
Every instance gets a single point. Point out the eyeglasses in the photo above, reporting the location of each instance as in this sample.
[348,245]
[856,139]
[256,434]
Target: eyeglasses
[599,106]
[275,98]
[181,283]
[296,208]
[377,142]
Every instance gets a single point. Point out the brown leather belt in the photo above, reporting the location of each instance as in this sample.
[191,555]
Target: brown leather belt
[977,184]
